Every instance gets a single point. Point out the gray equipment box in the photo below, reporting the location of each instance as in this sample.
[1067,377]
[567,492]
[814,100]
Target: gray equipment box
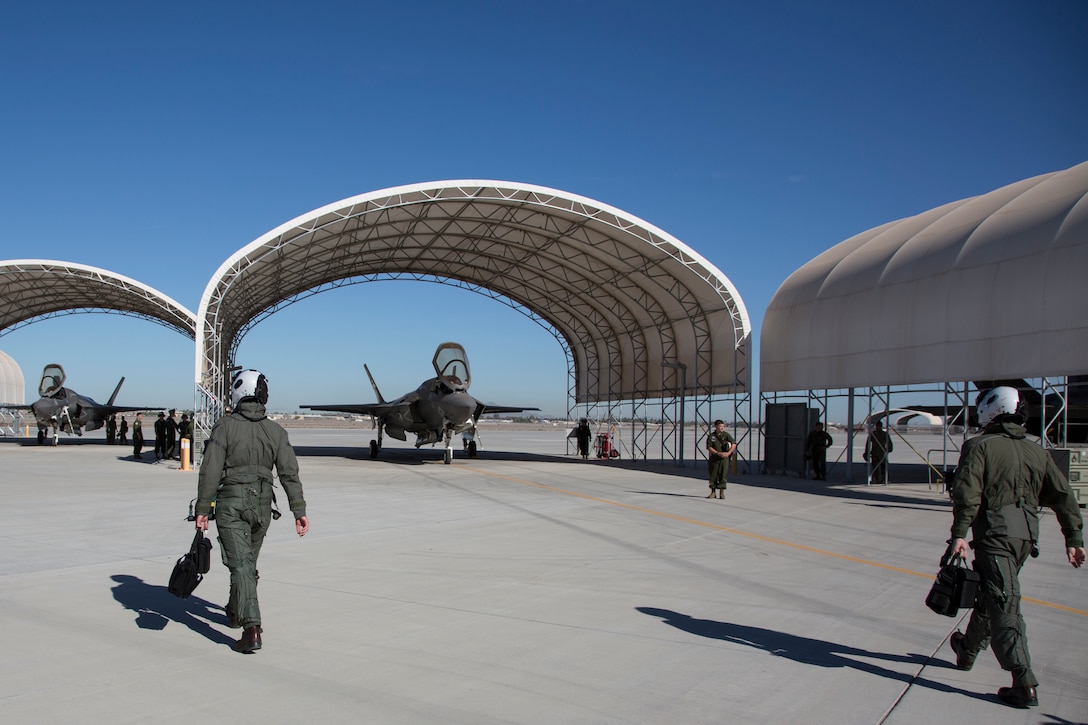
[1073,462]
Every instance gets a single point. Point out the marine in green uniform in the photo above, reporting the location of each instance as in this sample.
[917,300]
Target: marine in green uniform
[1001,481]
[719,447]
[816,446]
[877,447]
[137,434]
[236,474]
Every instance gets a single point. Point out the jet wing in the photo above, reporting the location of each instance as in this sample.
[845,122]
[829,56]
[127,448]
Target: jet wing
[376,409]
[488,408]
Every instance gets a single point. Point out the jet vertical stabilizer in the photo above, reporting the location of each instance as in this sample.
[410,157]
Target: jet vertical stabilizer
[116,391]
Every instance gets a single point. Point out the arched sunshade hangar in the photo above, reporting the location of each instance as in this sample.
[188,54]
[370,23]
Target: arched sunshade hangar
[989,288]
[37,289]
[625,296]
[986,288]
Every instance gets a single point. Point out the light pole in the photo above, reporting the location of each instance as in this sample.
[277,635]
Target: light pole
[683,387]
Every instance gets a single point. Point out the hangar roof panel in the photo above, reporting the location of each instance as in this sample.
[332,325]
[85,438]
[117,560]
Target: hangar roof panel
[985,288]
[74,288]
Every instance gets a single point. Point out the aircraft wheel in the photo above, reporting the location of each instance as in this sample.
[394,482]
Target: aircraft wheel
[447,458]
[373,449]
[472,449]
[41,437]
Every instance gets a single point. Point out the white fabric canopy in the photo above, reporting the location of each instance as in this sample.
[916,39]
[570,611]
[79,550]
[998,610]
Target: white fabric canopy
[624,296]
[986,288]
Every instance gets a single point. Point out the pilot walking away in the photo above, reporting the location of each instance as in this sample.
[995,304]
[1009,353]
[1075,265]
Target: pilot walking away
[1001,481]
[236,474]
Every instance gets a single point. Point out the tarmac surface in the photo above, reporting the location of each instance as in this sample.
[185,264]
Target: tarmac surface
[525,587]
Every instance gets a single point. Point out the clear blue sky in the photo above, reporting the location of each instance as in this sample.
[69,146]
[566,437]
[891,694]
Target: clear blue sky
[154,140]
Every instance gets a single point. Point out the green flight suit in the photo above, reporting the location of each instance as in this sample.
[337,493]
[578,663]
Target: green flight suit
[1001,481]
[718,466]
[236,473]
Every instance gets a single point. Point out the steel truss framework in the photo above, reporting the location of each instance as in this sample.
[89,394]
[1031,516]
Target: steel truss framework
[37,289]
[957,399]
[620,295]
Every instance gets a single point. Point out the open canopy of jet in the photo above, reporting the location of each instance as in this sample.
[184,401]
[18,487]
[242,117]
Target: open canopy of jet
[435,411]
[63,409]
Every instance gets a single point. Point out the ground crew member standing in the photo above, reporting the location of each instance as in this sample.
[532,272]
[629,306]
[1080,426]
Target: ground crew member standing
[877,448]
[582,434]
[171,435]
[816,446]
[185,429]
[236,473]
[111,429]
[1001,481]
[137,434]
[719,447]
[160,436]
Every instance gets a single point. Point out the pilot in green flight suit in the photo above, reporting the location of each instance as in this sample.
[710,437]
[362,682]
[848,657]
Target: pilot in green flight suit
[1001,481]
[236,474]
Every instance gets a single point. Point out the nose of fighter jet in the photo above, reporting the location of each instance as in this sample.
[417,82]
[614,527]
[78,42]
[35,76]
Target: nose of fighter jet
[459,408]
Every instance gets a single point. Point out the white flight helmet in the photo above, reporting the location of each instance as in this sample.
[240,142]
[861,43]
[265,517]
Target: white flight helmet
[996,402]
[249,384]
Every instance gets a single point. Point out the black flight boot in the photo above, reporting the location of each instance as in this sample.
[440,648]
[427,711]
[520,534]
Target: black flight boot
[1021,697]
[250,641]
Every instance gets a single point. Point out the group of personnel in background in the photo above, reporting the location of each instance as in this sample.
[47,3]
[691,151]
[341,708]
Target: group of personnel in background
[168,432]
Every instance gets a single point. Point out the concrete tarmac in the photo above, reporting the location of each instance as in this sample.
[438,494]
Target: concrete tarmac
[524,587]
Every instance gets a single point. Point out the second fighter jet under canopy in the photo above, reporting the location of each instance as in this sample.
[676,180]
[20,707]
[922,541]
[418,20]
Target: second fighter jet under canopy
[63,409]
[439,408]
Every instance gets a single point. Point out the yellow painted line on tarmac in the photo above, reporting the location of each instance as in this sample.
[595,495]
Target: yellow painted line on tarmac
[750,535]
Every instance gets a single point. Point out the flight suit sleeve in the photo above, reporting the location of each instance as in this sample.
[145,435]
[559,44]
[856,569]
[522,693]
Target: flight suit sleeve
[967,493]
[211,468]
[287,470]
[1058,496]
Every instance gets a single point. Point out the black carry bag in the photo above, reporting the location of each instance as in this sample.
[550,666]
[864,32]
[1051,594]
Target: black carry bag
[191,568]
[954,588]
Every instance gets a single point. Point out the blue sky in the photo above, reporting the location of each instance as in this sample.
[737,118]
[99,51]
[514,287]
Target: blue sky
[155,140]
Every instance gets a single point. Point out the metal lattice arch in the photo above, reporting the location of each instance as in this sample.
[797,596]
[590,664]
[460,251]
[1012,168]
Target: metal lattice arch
[77,288]
[639,314]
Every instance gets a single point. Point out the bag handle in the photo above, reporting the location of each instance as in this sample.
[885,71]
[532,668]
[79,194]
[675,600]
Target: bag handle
[948,559]
[199,537]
